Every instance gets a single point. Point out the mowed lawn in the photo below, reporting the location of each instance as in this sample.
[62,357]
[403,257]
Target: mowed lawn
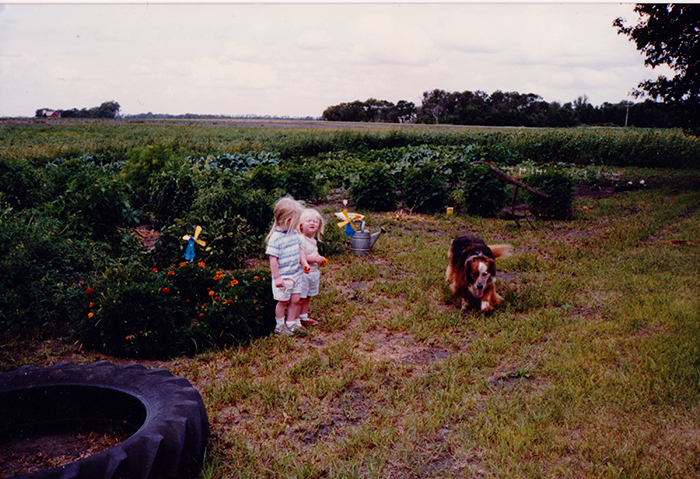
[590,369]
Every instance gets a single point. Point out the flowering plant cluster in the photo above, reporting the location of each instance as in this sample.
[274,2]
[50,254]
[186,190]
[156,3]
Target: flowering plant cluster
[182,309]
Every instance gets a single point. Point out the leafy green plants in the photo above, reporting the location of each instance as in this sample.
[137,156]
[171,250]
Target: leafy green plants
[20,185]
[559,187]
[226,195]
[172,191]
[90,198]
[266,177]
[333,240]
[484,194]
[301,182]
[143,163]
[185,308]
[424,189]
[229,241]
[41,270]
[375,189]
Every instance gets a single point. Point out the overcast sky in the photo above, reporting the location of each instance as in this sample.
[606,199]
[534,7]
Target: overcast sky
[297,59]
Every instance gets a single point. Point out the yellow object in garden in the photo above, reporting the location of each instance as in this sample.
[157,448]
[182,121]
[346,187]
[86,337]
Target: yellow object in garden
[348,219]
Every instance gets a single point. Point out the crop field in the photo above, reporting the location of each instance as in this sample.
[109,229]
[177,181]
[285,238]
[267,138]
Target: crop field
[590,368]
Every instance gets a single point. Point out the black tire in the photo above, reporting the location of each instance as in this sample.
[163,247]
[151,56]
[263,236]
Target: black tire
[165,411]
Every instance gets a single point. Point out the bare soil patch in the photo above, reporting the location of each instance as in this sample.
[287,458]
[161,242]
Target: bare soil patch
[54,447]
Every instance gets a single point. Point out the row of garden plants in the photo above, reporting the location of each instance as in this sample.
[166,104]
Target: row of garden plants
[115,141]
[71,264]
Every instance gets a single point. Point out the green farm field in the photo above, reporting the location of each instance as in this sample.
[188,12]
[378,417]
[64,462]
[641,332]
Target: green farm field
[590,368]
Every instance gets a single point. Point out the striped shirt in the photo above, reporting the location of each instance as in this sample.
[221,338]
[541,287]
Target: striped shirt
[285,247]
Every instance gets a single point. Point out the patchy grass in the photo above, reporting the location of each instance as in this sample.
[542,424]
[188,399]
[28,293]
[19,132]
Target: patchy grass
[590,369]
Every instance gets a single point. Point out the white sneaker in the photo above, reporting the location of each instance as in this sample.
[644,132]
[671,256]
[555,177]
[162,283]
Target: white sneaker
[296,328]
[283,330]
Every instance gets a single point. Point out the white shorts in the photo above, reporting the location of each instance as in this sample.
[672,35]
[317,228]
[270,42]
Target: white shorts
[292,286]
[310,283]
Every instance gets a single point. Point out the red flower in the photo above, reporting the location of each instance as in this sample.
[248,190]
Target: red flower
[154,270]
[166,290]
[89,291]
[171,273]
[255,277]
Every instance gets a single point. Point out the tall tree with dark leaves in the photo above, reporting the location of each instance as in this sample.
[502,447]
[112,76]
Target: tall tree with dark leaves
[669,34]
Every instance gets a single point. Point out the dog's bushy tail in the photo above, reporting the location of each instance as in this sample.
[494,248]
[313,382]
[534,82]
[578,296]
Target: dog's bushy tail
[501,250]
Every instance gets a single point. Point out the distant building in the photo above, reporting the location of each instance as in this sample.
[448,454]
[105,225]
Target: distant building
[47,113]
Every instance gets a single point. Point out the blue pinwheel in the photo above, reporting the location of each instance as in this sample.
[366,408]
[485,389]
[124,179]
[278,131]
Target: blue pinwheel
[191,240]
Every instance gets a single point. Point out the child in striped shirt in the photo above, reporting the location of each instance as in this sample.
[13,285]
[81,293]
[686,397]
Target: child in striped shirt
[287,264]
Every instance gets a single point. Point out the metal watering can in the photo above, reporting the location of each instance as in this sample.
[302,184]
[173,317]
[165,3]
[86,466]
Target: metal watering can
[362,241]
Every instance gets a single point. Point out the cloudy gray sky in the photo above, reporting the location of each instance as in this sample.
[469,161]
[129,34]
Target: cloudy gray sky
[294,59]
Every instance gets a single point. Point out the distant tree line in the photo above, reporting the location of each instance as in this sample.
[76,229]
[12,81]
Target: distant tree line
[199,116]
[372,110]
[109,109]
[505,109]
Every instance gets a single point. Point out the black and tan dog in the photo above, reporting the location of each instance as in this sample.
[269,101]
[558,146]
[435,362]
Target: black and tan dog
[471,271]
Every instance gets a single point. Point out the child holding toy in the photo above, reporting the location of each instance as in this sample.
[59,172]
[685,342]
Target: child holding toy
[286,262]
[311,228]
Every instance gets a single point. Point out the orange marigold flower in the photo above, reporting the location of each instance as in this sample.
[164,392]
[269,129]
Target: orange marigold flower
[256,277]
[154,270]
[91,314]
[92,304]
[211,293]
[234,282]
[171,273]
[201,264]
[183,264]
[201,315]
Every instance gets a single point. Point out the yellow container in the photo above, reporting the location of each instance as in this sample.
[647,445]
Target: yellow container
[450,210]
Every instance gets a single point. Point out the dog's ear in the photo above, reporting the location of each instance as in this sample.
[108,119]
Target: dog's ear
[492,267]
[469,270]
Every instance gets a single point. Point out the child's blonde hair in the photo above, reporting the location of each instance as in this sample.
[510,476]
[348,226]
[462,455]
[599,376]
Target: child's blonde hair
[287,213]
[312,213]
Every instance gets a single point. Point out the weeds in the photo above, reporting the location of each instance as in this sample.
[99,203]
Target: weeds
[589,369]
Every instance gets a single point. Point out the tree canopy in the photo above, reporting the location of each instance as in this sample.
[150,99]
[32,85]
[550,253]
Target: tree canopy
[669,34]
[506,109]
[108,109]
[372,110]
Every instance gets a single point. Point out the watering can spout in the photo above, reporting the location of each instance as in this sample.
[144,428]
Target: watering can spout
[374,237]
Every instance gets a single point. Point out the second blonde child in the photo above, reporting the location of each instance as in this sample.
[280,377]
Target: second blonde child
[311,228]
